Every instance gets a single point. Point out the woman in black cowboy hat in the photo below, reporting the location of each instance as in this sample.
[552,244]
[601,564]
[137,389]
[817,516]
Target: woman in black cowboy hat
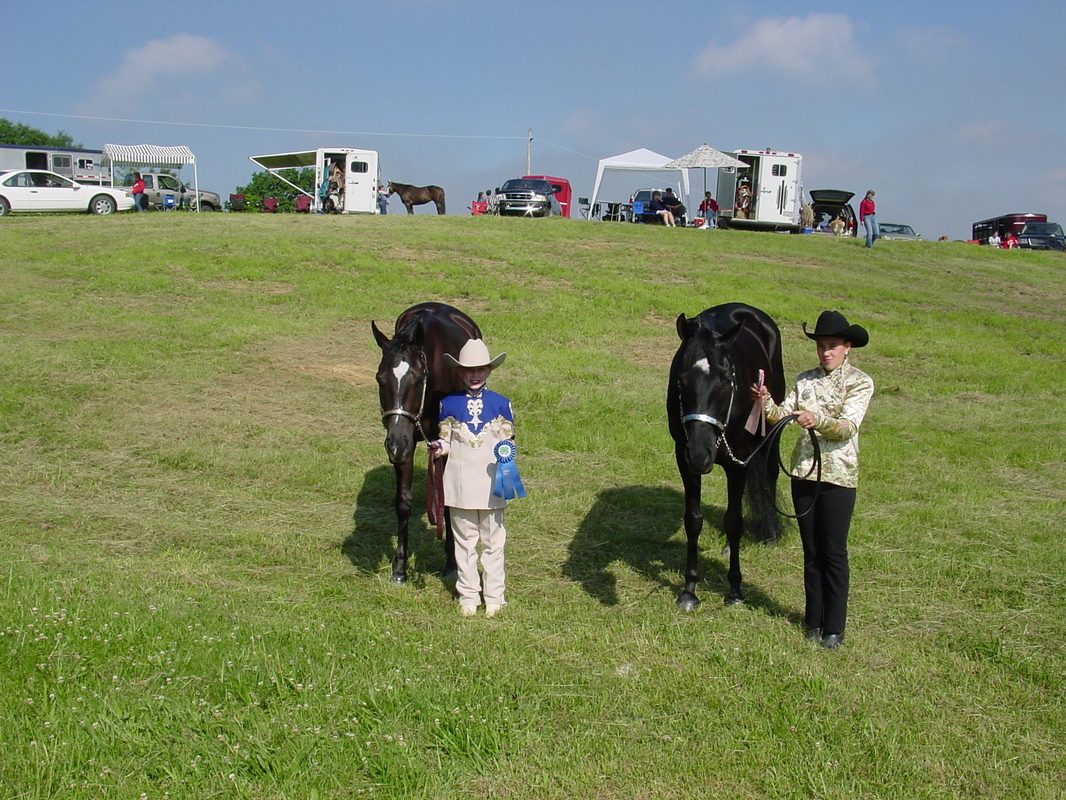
[831,400]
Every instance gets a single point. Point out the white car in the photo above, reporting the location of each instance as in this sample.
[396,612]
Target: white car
[38,190]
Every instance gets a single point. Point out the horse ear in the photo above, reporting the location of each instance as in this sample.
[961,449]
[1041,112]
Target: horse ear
[730,335]
[418,335]
[382,339]
[684,327]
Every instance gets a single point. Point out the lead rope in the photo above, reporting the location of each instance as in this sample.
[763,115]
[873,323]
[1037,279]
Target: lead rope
[775,431]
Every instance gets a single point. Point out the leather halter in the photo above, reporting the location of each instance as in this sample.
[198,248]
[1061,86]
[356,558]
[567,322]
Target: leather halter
[400,411]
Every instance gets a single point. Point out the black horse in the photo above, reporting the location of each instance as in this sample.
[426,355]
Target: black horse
[708,403]
[412,196]
[412,378]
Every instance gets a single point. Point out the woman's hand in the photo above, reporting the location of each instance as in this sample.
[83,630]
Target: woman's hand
[436,449]
[759,393]
[806,419]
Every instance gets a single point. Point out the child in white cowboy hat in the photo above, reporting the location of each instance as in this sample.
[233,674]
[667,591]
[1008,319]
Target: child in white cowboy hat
[472,424]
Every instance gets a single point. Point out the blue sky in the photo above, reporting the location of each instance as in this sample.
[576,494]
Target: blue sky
[951,111]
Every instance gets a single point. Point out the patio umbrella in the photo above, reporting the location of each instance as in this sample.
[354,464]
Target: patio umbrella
[704,157]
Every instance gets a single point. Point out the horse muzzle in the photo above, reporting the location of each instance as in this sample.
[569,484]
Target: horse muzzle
[399,435]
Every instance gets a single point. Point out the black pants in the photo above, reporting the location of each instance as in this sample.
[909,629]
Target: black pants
[824,533]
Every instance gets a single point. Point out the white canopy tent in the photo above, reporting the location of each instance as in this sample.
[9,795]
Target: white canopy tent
[151,155]
[640,160]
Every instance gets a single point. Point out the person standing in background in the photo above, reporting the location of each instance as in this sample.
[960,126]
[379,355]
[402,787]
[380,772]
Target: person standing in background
[868,217]
[138,192]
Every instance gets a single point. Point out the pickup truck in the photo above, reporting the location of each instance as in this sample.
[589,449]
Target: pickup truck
[529,197]
[157,185]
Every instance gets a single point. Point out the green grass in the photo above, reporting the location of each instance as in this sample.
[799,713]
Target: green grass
[196,524]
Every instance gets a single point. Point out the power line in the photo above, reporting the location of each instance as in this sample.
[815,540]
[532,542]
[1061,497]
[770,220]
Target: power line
[257,128]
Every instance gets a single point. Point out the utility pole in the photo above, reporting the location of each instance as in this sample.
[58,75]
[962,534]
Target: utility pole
[529,153]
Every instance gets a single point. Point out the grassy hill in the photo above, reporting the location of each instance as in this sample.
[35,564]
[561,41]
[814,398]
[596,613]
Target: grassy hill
[196,523]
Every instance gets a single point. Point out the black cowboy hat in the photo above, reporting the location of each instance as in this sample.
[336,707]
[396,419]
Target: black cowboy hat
[833,323]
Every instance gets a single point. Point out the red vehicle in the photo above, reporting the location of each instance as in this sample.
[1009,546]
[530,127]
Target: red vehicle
[1008,223]
[563,192]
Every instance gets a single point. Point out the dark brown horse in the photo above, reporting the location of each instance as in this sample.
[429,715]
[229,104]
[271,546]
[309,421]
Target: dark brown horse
[708,402]
[412,196]
[412,378]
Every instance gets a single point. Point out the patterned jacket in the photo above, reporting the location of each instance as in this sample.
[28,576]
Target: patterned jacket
[470,428]
[839,400]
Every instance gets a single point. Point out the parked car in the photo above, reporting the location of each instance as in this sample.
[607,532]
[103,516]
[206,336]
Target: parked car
[158,185]
[527,197]
[25,190]
[1042,236]
[831,204]
[893,230]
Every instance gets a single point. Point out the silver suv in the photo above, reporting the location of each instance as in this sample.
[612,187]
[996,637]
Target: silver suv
[158,185]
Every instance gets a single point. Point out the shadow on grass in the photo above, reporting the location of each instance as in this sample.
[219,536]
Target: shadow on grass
[372,543]
[637,526]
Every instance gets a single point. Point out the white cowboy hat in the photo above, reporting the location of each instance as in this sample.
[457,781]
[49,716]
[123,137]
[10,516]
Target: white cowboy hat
[475,354]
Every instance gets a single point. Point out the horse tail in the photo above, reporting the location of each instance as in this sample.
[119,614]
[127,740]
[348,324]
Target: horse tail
[761,494]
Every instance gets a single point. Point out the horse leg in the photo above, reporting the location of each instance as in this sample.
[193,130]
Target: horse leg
[409,206]
[688,601]
[440,208]
[451,569]
[404,504]
[733,523]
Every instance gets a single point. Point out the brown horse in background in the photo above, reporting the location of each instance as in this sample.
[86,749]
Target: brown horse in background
[412,196]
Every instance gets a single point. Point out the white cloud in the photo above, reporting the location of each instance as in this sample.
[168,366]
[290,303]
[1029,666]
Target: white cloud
[167,70]
[819,46]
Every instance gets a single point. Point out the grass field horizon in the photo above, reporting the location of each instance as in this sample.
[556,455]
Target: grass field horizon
[197,521]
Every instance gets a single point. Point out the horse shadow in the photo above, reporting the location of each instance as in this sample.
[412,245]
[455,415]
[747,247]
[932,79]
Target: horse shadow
[372,543]
[637,526]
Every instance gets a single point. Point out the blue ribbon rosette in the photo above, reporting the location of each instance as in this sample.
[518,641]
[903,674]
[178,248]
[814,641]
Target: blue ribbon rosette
[508,484]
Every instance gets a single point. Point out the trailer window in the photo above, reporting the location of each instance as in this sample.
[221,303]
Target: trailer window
[61,163]
[780,170]
[360,166]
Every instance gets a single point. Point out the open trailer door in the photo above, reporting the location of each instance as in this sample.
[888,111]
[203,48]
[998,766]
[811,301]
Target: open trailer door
[355,194]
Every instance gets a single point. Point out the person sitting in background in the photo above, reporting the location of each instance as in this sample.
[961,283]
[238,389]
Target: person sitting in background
[673,202]
[709,211]
[657,206]
[994,240]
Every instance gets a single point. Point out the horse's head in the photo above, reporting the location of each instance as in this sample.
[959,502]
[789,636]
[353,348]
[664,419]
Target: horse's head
[390,190]
[401,381]
[706,385]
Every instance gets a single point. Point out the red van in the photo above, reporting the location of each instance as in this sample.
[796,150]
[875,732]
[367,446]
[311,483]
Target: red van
[1008,223]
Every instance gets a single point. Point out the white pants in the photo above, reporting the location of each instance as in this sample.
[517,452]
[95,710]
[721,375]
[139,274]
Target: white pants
[471,526]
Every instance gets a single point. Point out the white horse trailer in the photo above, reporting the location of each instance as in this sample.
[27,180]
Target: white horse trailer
[78,164]
[346,178]
[765,195]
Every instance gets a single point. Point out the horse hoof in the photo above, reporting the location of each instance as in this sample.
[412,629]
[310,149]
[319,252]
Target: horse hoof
[734,601]
[399,580]
[688,603]
[450,574]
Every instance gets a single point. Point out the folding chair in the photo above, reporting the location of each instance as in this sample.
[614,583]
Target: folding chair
[303,204]
[170,202]
[236,202]
[270,205]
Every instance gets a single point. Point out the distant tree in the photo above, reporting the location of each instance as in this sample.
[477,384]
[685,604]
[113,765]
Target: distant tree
[267,184]
[16,133]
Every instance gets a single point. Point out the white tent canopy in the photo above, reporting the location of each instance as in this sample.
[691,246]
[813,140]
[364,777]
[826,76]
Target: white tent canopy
[640,160]
[151,155]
